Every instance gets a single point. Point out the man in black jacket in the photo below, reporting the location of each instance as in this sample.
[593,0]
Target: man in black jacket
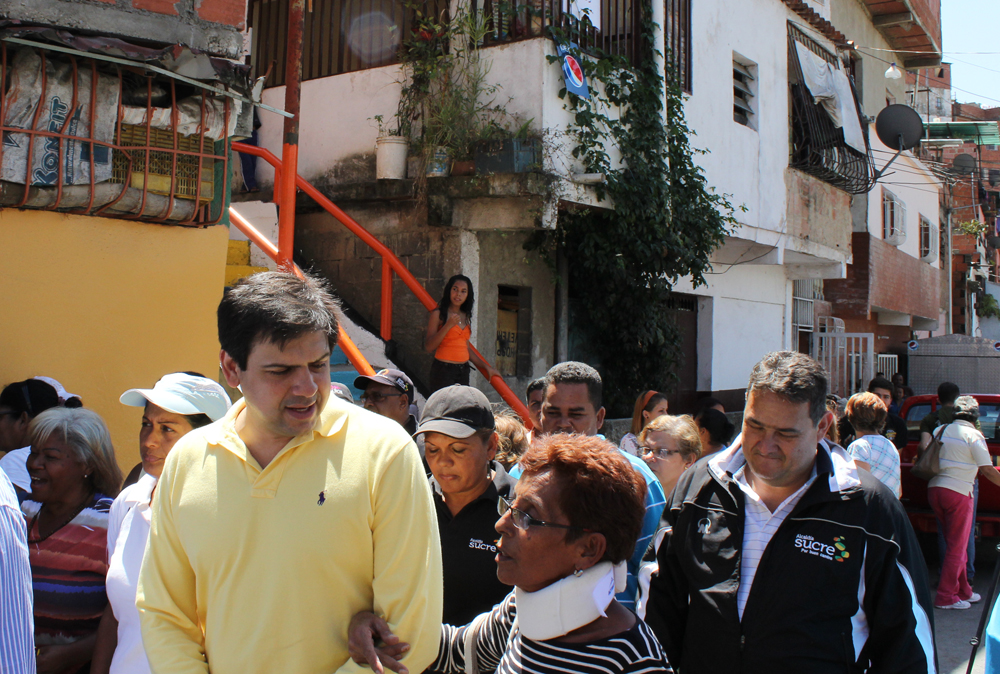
[783,556]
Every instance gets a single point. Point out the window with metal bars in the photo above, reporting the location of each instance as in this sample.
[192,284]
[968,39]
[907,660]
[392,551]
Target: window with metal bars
[817,146]
[85,136]
[678,41]
[927,240]
[744,90]
[893,218]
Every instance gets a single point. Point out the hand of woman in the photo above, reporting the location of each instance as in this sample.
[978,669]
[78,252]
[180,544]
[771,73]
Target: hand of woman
[54,659]
[453,320]
[492,372]
[365,627]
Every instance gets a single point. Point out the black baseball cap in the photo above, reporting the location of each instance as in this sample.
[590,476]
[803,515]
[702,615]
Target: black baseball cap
[456,411]
[394,378]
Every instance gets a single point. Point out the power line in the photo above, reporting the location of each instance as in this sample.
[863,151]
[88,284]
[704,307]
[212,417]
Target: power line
[926,53]
[971,93]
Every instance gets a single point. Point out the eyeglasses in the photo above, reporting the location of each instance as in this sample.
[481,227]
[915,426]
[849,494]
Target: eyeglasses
[379,397]
[660,453]
[523,520]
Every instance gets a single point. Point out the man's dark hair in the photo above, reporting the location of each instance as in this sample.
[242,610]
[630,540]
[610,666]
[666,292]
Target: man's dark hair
[31,396]
[535,385]
[720,428]
[275,307]
[575,372]
[947,392]
[882,383]
[793,376]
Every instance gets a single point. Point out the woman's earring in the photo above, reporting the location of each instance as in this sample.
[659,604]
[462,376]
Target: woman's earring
[578,573]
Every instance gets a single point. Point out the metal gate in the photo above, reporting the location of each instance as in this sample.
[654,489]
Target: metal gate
[849,359]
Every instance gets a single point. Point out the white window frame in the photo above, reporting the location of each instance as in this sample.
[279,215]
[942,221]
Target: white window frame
[932,237]
[893,218]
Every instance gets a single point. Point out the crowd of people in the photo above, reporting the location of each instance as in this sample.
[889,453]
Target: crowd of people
[296,531]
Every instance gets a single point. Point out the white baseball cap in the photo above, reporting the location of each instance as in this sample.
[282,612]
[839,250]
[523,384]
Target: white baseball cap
[182,394]
[63,394]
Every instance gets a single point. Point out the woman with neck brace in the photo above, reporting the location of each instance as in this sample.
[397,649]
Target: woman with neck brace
[576,514]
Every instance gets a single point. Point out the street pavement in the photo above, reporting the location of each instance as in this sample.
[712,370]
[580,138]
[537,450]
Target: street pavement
[954,629]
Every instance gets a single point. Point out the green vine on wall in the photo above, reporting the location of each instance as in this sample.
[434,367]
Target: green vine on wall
[665,224]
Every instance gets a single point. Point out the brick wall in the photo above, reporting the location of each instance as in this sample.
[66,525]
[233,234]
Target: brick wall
[883,277]
[208,25]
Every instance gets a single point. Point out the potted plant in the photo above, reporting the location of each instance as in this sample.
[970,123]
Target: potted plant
[449,88]
[391,149]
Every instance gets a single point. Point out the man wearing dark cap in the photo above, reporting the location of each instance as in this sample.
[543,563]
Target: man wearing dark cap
[389,393]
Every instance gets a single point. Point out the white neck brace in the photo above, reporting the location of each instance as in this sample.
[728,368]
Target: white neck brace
[569,603]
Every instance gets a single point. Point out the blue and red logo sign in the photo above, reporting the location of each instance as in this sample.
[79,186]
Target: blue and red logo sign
[576,81]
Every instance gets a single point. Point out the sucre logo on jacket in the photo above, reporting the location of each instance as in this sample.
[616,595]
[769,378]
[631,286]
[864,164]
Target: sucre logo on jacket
[809,545]
[477,544]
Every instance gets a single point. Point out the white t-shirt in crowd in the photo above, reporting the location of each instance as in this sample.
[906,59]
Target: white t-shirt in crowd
[963,451]
[15,464]
[128,531]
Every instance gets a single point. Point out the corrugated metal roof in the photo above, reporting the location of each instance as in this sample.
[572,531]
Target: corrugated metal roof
[983,133]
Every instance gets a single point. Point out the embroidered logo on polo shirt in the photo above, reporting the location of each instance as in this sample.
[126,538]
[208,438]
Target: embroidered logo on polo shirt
[809,545]
[322,498]
[477,544]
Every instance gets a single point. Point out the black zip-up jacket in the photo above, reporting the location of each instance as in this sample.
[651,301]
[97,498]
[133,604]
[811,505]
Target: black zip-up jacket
[841,587]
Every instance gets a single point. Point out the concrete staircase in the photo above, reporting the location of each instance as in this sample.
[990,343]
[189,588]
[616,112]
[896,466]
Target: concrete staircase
[245,259]
[238,262]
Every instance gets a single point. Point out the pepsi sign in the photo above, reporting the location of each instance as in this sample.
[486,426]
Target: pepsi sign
[576,81]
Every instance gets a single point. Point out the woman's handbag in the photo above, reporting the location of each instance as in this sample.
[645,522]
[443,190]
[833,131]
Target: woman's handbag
[928,463]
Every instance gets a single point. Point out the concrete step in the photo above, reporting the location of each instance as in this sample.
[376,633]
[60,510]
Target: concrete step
[234,272]
[238,253]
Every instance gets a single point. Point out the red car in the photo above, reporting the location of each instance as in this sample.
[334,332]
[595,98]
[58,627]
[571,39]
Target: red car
[914,498]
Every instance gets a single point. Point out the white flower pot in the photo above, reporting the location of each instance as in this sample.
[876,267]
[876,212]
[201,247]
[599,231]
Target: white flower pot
[390,157]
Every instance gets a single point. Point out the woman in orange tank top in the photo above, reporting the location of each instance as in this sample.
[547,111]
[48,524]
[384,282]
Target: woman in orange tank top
[448,333]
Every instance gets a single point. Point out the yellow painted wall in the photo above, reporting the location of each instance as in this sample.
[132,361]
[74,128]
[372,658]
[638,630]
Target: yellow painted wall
[106,305]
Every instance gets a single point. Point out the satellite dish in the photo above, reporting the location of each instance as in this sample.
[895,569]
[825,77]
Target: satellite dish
[964,164]
[899,127]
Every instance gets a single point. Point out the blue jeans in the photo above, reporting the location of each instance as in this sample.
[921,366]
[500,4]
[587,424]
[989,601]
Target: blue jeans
[970,569]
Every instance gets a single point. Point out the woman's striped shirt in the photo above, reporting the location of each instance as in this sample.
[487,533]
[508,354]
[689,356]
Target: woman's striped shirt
[501,647]
[68,571]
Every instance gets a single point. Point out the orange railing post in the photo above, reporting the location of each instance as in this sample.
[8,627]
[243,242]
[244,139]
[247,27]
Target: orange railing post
[390,264]
[386,299]
[354,356]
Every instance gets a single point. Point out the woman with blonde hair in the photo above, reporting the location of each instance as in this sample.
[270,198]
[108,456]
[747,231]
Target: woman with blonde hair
[669,446]
[648,406]
[512,439]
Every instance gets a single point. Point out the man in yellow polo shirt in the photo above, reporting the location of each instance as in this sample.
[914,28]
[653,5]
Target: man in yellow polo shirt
[273,526]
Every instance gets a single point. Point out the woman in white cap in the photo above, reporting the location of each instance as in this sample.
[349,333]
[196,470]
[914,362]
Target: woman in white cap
[175,406]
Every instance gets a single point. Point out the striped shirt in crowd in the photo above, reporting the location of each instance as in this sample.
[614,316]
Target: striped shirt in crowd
[68,571]
[882,456]
[758,529]
[501,647]
[17,644]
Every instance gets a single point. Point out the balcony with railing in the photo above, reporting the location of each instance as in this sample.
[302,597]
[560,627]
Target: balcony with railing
[342,36]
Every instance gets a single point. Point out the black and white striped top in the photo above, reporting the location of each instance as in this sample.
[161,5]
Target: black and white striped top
[501,647]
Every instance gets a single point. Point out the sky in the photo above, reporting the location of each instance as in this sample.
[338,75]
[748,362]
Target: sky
[971,26]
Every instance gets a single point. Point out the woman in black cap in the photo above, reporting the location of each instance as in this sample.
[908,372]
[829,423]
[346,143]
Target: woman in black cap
[460,444]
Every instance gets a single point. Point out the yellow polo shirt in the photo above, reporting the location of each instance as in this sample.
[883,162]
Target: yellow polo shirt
[251,570]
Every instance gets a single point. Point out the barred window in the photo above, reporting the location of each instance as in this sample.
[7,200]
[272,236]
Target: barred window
[818,146]
[927,240]
[893,218]
[678,40]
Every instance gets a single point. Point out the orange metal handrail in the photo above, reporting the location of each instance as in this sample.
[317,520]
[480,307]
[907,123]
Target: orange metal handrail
[390,264]
[350,350]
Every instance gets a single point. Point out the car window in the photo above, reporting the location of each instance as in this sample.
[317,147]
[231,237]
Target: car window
[914,416]
[988,416]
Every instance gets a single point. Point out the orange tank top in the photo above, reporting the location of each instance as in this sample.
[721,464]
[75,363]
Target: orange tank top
[454,348]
